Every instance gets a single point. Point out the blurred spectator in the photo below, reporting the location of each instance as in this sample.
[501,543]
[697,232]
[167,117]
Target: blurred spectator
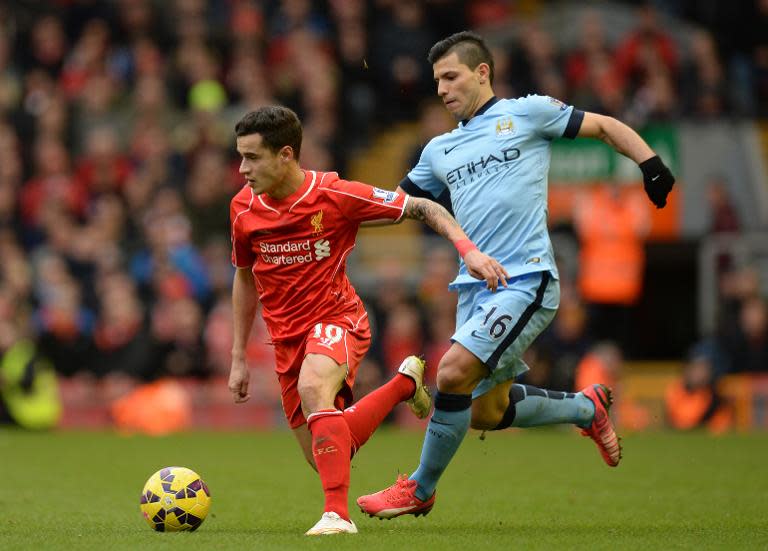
[53,187]
[402,336]
[441,265]
[46,45]
[647,61]
[402,40]
[723,216]
[16,279]
[722,211]
[693,401]
[747,341]
[535,64]
[103,168]
[152,105]
[591,78]
[208,192]
[177,329]
[603,364]
[392,293]
[121,338]
[170,265]
[98,106]
[156,164]
[736,286]
[611,224]
[357,93]
[88,57]
[218,339]
[646,49]
[247,83]
[702,79]
[63,323]
[433,121]
[29,394]
[563,345]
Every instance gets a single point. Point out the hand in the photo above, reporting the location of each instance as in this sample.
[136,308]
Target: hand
[481,266]
[657,180]
[239,376]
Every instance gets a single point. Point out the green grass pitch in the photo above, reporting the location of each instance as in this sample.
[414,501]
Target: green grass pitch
[536,489]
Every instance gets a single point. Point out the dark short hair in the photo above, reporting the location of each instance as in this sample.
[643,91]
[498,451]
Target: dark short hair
[469,46]
[278,126]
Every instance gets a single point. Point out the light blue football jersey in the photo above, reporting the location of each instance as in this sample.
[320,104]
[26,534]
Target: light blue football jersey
[496,168]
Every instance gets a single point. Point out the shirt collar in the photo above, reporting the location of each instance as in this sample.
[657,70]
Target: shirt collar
[487,105]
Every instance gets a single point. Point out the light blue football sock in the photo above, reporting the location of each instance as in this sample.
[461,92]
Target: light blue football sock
[445,431]
[533,407]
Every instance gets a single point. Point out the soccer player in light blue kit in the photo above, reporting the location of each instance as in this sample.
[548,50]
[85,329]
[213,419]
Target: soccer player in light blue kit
[495,165]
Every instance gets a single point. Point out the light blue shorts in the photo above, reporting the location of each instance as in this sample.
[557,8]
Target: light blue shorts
[498,327]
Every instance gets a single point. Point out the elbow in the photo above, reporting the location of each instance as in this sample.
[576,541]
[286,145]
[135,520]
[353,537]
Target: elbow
[605,128]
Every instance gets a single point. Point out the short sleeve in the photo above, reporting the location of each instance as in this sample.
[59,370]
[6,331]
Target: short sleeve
[552,118]
[422,175]
[360,202]
[242,253]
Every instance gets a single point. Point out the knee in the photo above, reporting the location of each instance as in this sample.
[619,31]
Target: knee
[310,391]
[458,373]
[450,378]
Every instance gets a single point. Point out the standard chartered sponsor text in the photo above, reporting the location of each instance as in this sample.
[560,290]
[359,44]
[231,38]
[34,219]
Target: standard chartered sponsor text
[303,248]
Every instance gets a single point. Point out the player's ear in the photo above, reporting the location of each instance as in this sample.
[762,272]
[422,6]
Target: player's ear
[286,153]
[483,73]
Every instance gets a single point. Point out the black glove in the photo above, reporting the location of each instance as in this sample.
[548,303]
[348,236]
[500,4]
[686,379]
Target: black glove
[657,180]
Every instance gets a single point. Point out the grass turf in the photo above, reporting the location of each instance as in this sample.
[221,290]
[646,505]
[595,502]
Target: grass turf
[536,489]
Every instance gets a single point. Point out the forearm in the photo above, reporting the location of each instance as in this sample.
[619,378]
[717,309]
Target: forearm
[244,303]
[657,178]
[436,217]
[623,139]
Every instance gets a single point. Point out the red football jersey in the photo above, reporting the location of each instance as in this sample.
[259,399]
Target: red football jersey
[297,248]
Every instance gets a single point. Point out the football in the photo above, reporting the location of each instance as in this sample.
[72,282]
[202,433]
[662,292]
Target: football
[175,499]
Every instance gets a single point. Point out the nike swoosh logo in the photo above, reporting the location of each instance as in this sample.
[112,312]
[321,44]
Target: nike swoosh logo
[474,334]
[449,149]
[655,178]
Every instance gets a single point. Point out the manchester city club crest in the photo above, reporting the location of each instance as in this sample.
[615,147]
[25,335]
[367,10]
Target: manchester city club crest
[505,127]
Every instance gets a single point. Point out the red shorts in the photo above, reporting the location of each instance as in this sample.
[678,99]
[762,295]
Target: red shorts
[344,344]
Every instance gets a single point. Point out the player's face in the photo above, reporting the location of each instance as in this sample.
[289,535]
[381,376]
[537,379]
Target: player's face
[459,86]
[264,170]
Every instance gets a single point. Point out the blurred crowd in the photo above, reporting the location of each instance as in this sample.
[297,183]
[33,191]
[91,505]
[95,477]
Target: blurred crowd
[117,161]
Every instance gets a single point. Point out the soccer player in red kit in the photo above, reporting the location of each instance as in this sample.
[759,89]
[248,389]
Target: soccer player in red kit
[292,230]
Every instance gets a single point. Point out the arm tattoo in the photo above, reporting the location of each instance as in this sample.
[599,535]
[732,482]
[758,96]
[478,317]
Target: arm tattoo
[433,214]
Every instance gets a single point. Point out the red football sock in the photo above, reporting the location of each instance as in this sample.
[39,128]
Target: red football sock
[331,444]
[367,414]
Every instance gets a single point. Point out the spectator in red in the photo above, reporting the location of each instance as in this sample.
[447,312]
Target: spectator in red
[53,184]
[86,58]
[589,69]
[103,168]
[122,341]
[647,42]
